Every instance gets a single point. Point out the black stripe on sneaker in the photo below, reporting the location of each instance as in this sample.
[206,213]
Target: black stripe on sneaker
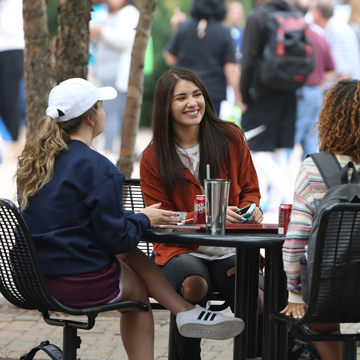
[201,315]
[213,317]
[207,316]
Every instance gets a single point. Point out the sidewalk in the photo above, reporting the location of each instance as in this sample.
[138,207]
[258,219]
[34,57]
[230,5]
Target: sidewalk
[21,330]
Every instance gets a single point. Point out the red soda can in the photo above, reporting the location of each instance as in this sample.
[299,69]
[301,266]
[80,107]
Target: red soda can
[199,209]
[284,218]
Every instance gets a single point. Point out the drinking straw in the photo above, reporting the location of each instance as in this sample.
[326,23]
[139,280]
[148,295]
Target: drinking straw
[208,171]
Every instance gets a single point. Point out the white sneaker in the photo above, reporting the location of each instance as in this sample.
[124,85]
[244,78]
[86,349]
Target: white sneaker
[202,323]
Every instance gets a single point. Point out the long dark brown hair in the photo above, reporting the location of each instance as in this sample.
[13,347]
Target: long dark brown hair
[215,135]
[339,120]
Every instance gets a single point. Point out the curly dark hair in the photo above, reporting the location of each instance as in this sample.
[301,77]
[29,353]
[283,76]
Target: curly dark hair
[339,120]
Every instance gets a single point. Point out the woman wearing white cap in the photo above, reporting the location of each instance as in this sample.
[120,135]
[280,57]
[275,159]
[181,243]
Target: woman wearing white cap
[71,199]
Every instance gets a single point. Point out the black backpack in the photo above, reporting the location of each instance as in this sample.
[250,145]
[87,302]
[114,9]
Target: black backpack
[339,191]
[288,55]
[52,350]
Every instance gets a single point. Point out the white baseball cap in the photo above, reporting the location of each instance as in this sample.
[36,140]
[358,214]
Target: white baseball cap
[73,97]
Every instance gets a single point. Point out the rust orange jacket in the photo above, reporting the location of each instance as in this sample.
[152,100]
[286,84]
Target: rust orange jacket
[244,190]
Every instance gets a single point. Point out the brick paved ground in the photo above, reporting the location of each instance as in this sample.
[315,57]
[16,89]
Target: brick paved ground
[20,330]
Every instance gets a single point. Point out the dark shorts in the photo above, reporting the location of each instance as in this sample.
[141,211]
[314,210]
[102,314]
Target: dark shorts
[90,289]
[277,114]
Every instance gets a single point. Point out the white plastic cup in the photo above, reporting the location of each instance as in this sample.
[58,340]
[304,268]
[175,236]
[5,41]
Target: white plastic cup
[181,217]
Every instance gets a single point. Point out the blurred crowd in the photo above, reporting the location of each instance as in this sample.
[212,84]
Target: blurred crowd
[222,44]
[12,90]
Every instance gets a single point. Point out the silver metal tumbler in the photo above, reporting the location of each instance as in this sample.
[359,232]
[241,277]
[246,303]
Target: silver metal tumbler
[216,201]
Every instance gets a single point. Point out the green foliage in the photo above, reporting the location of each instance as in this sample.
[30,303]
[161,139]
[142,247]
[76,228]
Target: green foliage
[248,5]
[52,16]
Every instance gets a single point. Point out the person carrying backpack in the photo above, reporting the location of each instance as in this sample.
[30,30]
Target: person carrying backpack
[277,57]
[339,134]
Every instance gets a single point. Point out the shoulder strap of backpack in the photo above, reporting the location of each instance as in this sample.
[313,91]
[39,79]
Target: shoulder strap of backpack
[52,350]
[329,168]
[354,175]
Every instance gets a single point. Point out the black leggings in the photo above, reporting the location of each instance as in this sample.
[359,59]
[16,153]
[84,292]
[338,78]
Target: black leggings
[11,73]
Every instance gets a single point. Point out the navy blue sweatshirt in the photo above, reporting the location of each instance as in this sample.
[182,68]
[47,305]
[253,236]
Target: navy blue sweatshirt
[77,219]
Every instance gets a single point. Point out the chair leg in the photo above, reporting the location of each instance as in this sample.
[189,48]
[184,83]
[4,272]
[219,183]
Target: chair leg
[349,348]
[71,342]
[260,335]
[172,350]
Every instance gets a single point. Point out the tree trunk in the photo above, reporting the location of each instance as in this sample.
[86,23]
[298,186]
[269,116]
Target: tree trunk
[136,89]
[37,72]
[72,45]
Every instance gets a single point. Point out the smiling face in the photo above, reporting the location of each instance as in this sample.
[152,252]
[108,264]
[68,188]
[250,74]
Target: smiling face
[188,105]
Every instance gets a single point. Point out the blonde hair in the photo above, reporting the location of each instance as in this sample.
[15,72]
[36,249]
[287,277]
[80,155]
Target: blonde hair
[355,11]
[36,163]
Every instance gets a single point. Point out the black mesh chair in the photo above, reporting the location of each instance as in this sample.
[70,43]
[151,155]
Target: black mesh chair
[133,199]
[335,287]
[22,282]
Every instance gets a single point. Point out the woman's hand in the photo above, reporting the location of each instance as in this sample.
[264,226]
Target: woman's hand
[235,218]
[160,217]
[257,216]
[297,311]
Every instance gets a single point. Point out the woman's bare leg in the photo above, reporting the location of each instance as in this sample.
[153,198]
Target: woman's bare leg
[155,281]
[136,328]
[328,350]
[194,288]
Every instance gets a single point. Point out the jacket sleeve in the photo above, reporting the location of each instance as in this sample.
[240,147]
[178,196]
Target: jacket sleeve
[152,188]
[248,180]
[298,233]
[116,231]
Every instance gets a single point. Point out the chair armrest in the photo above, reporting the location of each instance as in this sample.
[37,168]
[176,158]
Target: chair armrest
[91,313]
[279,317]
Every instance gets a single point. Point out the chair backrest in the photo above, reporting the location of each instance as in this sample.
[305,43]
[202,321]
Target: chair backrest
[21,279]
[133,199]
[335,287]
